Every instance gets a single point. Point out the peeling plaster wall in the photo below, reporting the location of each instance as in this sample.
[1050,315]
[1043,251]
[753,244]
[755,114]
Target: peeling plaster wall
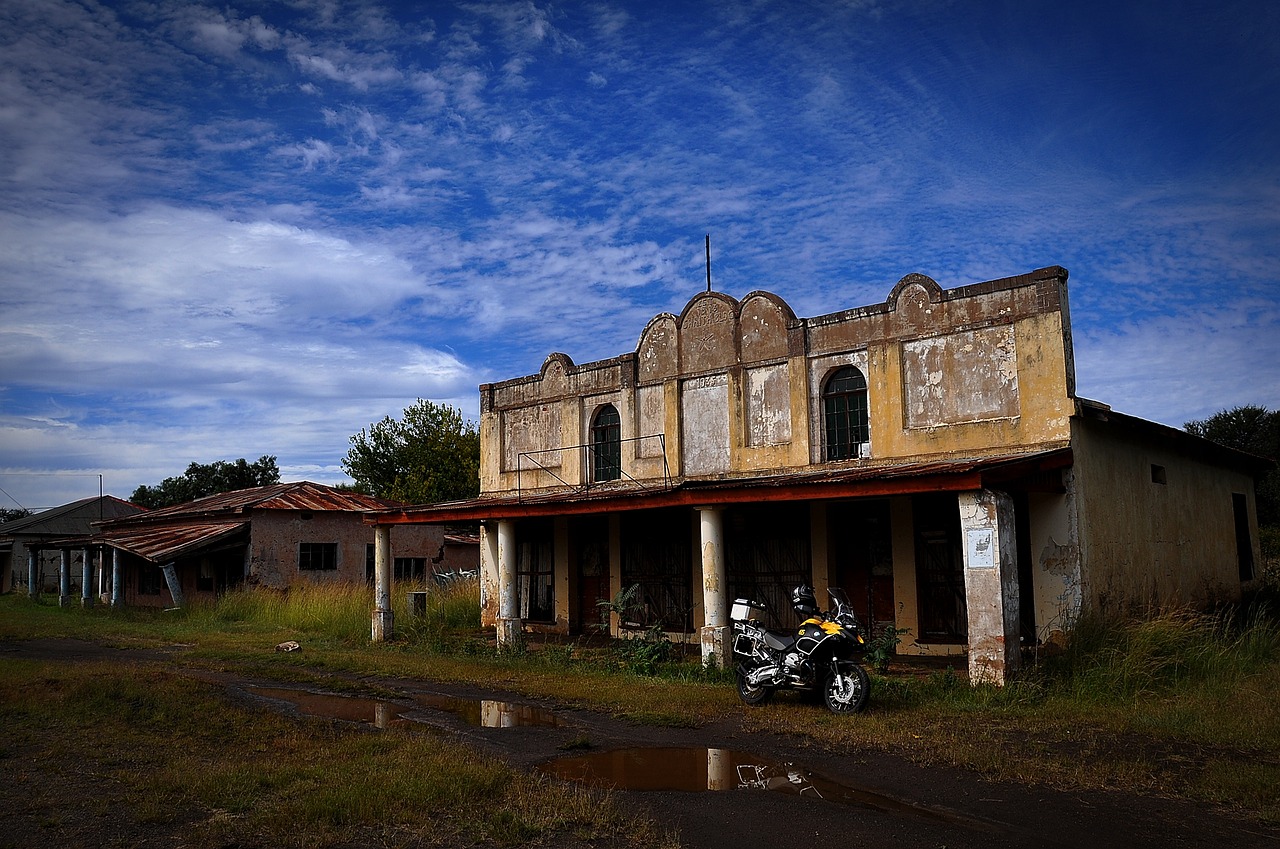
[534,430]
[651,411]
[1055,551]
[733,387]
[1150,545]
[489,574]
[768,405]
[276,534]
[970,376]
[704,425]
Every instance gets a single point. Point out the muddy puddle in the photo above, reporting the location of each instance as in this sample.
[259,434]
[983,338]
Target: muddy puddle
[486,713]
[696,769]
[376,712]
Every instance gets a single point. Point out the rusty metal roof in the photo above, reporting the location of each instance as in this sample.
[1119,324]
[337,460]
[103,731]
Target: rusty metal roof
[160,535]
[166,542]
[300,495]
[867,480]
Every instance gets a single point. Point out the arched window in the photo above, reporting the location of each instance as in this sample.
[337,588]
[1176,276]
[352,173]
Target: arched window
[606,444]
[844,414]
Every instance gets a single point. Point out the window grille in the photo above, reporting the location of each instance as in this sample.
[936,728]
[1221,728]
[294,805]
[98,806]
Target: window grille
[844,415]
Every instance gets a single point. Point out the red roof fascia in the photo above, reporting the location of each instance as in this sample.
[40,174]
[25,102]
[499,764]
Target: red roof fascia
[941,476]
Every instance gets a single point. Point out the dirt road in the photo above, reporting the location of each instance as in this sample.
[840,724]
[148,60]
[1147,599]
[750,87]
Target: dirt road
[794,795]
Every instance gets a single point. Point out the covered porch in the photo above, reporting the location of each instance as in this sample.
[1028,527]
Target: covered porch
[941,549]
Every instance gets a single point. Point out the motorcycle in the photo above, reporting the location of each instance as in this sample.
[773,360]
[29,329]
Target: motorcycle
[819,658]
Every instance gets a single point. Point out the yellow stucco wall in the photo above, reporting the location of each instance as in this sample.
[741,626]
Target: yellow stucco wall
[1147,544]
[734,385]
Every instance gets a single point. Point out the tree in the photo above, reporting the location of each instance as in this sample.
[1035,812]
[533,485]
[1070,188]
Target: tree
[201,479]
[430,454]
[9,514]
[1255,430]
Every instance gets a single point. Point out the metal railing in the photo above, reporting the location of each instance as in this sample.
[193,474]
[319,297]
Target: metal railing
[586,464]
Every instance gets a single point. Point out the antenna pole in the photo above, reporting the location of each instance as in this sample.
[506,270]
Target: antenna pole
[708,262]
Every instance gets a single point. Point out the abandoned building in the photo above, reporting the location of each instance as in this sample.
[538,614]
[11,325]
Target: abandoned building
[23,539]
[276,536]
[927,454]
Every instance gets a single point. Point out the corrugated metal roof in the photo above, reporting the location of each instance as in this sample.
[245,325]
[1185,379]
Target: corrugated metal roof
[166,542]
[70,519]
[299,495]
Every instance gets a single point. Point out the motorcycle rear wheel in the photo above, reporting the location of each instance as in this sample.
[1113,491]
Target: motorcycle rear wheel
[848,690]
[752,694]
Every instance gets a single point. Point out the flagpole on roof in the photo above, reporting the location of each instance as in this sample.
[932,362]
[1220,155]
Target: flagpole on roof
[708,262]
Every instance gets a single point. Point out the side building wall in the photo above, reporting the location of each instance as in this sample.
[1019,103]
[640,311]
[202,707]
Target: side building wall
[1157,525]
[277,536]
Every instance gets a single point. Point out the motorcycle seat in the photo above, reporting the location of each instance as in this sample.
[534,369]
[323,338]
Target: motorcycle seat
[778,642]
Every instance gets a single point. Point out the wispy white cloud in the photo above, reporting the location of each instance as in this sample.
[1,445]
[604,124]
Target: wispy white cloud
[233,229]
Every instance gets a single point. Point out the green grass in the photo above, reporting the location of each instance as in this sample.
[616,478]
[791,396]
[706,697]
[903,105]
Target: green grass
[161,751]
[1176,703]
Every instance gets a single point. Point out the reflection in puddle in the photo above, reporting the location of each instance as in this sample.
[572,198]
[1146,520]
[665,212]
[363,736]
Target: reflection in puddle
[348,708]
[490,714]
[483,712]
[702,769]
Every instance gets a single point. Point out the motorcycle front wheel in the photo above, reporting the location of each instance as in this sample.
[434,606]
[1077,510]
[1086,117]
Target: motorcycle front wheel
[846,691]
[752,694]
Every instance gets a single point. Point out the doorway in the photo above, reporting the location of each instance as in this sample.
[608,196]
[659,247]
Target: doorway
[861,550]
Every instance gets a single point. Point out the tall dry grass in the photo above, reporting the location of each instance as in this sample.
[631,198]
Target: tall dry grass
[343,611]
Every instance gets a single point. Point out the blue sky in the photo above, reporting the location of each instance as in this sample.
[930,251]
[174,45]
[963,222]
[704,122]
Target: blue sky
[242,228]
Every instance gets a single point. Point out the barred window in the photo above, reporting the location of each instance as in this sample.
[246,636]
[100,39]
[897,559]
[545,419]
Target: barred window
[844,414]
[606,444]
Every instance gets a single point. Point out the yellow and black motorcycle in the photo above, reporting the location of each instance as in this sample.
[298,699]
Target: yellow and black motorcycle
[818,658]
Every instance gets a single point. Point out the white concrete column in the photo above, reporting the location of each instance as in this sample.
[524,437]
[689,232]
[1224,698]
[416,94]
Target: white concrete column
[990,585]
[117,579]
[170,571]
[715,598]
[104,577]
[86,579]
[64,578]
[383,617]
[509,624]
[33,573]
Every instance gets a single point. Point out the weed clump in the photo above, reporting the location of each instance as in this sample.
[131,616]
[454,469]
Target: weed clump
[1117,662]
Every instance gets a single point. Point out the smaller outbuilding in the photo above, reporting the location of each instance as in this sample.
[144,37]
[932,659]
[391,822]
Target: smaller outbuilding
[276,536]
[21,539]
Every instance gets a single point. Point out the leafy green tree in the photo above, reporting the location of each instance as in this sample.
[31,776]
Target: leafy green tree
[430,454]
[201,479]
[1256,430]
